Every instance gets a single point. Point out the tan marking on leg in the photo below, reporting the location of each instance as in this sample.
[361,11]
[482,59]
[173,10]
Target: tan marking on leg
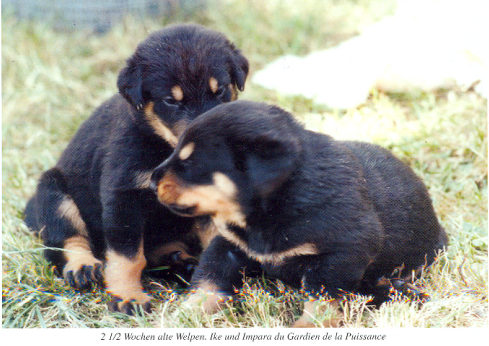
[69,210]
[214,84]
[78,254]
[123,276]
[177,93]
[158,126]
[313,308]
[206,297]
[186,151]
[234,92]
[154,258]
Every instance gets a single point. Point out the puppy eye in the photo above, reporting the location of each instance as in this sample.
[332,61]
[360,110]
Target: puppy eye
[188,162]
[170,101]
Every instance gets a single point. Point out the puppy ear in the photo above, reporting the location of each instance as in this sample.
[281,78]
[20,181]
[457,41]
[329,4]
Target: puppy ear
[130,83]
[240,69]
[271,161]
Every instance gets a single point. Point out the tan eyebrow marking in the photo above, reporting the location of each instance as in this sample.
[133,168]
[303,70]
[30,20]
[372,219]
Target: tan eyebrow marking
[214,84]
[186,151]
[177,93]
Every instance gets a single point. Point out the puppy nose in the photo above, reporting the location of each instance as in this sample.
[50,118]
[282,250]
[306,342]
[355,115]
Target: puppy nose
[156,177]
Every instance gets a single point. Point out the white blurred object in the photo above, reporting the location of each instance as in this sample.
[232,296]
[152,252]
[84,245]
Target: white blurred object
[426,45]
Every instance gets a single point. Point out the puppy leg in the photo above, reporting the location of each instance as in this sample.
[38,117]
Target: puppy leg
[53,214]
[123,219]
[330,273]
[218,274]
[123,279]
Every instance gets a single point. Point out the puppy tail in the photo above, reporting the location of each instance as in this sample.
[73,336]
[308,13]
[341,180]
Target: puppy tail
[50,190]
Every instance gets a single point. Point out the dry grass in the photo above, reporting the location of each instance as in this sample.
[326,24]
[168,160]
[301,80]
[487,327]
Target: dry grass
[52,81]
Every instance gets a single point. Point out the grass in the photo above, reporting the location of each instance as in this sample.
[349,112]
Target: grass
[52,81]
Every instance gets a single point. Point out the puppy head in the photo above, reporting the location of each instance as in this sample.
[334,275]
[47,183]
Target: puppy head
[228,157]
[179,73]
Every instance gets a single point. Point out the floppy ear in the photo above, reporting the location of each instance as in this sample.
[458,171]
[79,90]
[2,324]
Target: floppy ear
[239,70]
[130,83]
[270,162]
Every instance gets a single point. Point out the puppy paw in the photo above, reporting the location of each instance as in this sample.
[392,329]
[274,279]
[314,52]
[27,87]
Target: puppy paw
[206,298]
[123,281]
[84,274]
[82,270]
[129,305]
[320,313]
[408,289]
[306,322]
[209,302]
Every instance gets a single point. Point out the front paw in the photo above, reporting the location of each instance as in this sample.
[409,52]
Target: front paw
[84,275]
[123,281]
[206,297]
[408,289]
[320,313]
[128,305]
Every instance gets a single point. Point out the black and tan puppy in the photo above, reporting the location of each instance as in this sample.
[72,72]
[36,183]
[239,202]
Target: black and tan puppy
[325,215]
[95,203]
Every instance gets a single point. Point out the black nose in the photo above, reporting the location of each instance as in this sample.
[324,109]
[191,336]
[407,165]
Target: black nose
[156,176]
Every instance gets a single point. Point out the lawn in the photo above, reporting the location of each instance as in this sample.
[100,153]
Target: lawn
[52,81]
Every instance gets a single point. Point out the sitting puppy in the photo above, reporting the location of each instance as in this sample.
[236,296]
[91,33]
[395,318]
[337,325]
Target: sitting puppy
[95,203]
[325,215]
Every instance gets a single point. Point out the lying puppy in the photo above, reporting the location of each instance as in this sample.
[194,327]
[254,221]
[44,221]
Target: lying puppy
[95,203]
[325,215]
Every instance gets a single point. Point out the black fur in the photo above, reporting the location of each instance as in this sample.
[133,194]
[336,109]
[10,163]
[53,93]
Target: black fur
[365,212]
[100,167]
